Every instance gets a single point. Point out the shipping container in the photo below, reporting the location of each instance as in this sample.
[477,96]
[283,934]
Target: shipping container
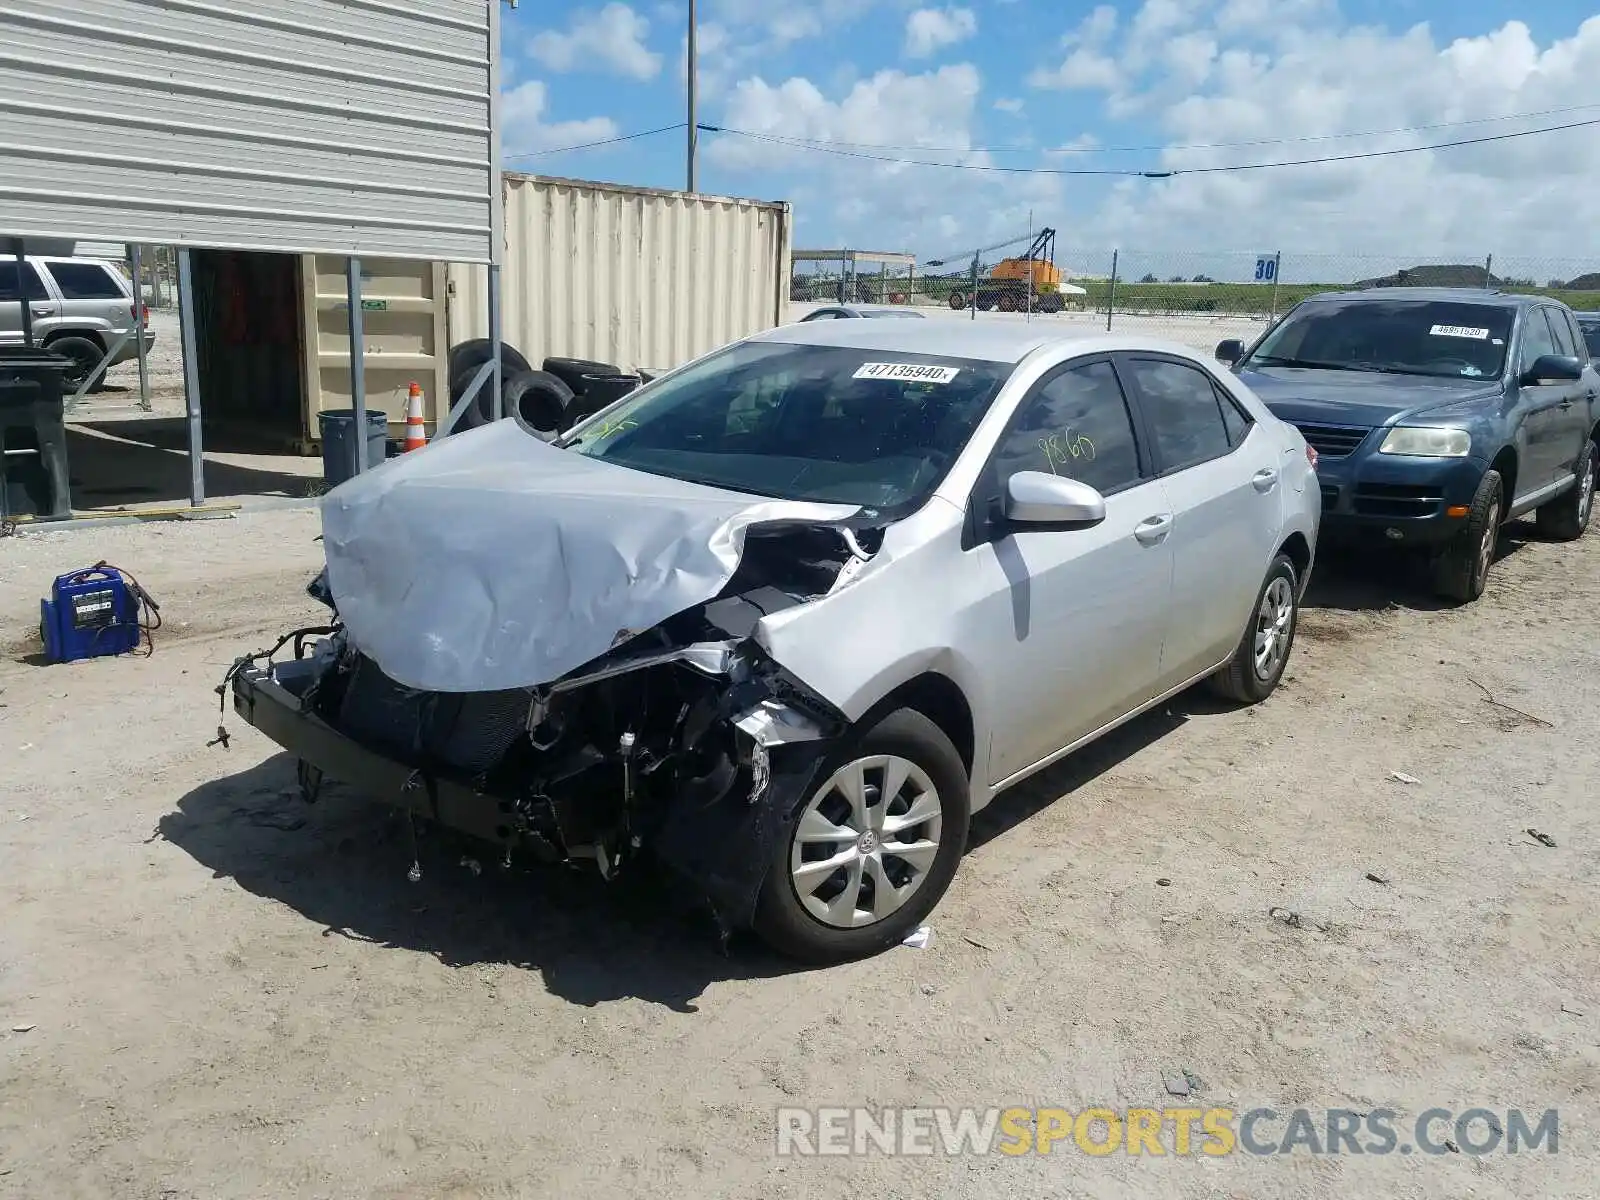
[403,335]
[638,277]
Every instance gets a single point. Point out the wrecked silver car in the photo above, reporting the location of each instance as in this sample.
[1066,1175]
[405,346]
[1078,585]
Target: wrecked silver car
[784,618]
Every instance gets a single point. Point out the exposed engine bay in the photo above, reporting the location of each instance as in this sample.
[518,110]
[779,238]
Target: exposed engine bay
[686,741]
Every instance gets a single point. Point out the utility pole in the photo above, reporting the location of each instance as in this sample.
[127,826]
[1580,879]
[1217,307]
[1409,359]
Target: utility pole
[694,85]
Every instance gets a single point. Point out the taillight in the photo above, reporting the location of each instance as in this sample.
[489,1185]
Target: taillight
[1311,455]
[140,313]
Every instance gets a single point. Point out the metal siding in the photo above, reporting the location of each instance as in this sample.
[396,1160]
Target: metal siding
[632,276]
[332,126]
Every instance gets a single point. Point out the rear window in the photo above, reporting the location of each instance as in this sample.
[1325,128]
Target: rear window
[86,281]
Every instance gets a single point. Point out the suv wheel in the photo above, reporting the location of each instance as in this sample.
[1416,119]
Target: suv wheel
[85,355]
[873,848]
[1462,568]
[1566,517]
[1263,652]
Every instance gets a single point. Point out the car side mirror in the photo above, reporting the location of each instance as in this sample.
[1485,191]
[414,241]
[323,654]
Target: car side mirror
[1554,368]
[1035,498]
[1230,351]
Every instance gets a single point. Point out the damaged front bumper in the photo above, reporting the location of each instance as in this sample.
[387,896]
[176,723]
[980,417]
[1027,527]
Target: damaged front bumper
[710,798]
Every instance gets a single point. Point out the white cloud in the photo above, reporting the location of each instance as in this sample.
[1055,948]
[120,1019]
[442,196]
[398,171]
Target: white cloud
[930,116]
[1082,68]
[1208,79]
[1288,74]
[929,30]
[612,39]
[526,130]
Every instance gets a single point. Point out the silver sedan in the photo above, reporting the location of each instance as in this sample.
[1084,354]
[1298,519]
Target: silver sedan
[788,616]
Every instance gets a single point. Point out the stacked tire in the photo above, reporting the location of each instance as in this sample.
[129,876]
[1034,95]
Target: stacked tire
[545,402]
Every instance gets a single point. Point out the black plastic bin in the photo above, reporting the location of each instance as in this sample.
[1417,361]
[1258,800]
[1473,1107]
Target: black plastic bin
[34,480]
[338,427]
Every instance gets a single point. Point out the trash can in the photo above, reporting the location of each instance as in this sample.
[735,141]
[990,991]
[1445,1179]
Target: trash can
[34,480]
[338,427]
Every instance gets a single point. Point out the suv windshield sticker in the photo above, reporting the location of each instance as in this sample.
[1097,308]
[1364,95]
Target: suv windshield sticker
[1460,331]
[910,372]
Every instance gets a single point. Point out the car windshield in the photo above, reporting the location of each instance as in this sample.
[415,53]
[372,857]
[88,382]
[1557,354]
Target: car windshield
[1404,337]
[878,428]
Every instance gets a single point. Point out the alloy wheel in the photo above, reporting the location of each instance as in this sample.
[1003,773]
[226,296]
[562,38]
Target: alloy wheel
[1491,539]
[1586,495]
[866,841]
[1274,625]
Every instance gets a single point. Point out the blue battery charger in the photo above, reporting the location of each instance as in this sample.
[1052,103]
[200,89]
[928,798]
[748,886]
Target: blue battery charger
[94,613]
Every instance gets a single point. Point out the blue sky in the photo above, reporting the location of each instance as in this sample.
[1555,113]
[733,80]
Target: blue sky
[1017,82]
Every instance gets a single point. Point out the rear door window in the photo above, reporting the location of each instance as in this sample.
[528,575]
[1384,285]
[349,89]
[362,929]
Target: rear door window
[31,288]
[1183,411]
[85,281]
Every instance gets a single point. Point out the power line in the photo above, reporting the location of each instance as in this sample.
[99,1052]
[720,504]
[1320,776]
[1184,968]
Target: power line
[1161,173]
[626,137]
[1154,149]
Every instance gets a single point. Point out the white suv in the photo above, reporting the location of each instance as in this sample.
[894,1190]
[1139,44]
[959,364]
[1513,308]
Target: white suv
[81,308]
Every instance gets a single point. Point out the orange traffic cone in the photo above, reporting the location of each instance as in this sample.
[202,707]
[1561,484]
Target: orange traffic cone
[416,432]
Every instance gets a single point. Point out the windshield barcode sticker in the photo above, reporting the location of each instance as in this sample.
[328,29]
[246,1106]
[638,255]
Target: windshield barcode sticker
[909,372]
[1461,331]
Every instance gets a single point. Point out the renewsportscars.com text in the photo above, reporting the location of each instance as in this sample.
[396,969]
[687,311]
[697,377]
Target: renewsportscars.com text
[1157,1132]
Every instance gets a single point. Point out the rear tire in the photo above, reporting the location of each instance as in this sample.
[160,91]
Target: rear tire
[1462,568]
[918,752]
[1565,518]
[958,300]
[85,355]
[1263,652]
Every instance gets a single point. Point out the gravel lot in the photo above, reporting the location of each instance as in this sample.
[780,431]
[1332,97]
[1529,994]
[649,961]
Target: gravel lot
[228,994]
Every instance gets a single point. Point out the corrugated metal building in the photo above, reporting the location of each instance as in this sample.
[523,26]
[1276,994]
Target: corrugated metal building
[632,276]
[333,126]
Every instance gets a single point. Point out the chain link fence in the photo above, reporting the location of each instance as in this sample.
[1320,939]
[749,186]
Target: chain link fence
[1193,297]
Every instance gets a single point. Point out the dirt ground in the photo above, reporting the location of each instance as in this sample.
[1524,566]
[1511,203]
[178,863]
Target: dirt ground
[209,990]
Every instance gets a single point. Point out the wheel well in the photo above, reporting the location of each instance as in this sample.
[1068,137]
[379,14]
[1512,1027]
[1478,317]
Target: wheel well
[1506,463]
[936,697]
[57,334]
[1299,552]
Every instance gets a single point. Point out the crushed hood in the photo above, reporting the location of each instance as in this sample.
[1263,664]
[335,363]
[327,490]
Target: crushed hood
[493,561]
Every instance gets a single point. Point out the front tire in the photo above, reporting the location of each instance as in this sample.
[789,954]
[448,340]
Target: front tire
[1565,518]
[874,847]
[1462,568]
[1263,652]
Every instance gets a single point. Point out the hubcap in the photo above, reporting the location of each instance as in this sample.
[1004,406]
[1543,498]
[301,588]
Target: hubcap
[865,843]
[1274,625]
[1491,536]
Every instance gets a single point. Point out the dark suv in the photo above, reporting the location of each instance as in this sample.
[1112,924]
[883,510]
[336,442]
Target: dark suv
[1437,415]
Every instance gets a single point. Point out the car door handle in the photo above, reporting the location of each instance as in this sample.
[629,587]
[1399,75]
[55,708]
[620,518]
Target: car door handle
[1265,479]
[1153,530]
[41,312]
[1566,403]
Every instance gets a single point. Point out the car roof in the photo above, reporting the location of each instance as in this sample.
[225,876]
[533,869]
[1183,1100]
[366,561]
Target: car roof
[1587,316]
[1461,295]
[954,337]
